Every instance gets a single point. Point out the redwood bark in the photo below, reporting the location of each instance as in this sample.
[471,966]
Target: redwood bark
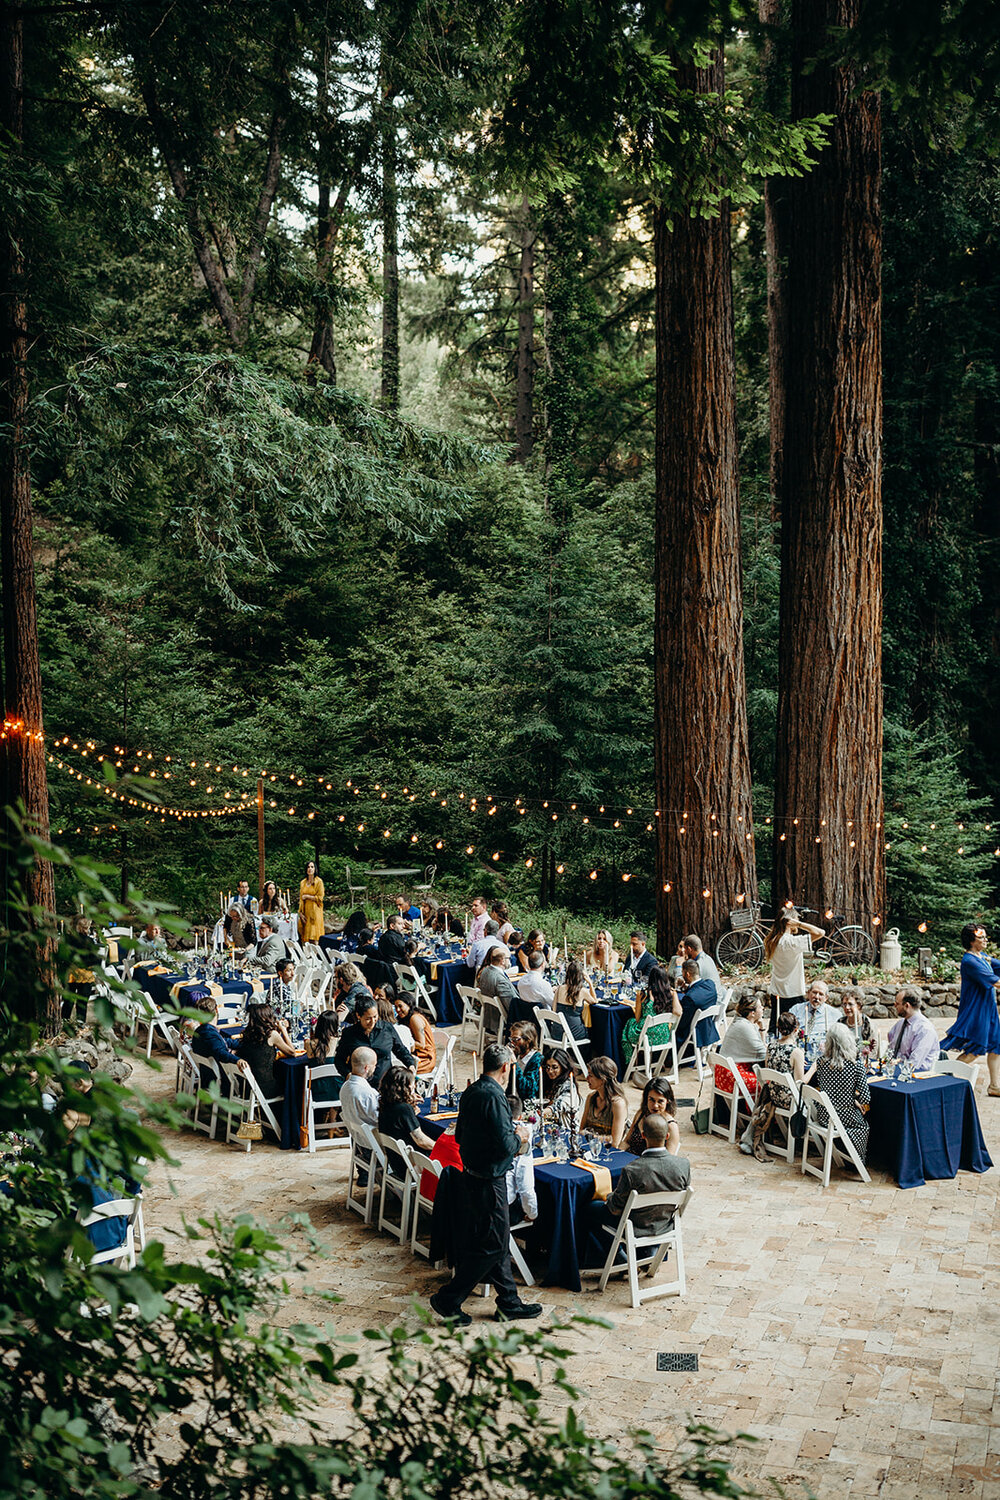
[524,407]
[775,79]
[23,746]
[829,750]
[701,742]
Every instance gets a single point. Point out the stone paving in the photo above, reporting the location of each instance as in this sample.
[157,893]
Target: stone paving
[853,1331]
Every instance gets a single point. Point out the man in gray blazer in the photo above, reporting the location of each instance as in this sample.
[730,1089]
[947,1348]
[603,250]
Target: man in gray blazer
[270,947]
[657,1170]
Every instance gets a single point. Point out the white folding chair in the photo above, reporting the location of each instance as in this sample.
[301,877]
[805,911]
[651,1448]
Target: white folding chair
[205,1096]
[783,1115]
[689,1051]
[417,1164]
[444,1070]
[554,1033]
[517,1254]
[492,1020]
[738,1097]
[295,951]
[154,1019]
[366,1157]
[415,982]
[471,1003]
[117,1208]
[322,1116]
[831,1138]
[397,1186]
[636,1240]
[956,1069]
[247,1102]
[657,1059]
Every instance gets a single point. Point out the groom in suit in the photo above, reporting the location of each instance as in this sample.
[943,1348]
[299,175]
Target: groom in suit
[657,1170]
[638,961]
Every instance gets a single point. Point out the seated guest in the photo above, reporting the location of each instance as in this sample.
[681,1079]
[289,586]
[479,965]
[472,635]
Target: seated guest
[492,979]
[559,1088]
[743,1044]
[320,1049]
[913,1038]
[272,903]
[523,1039]
[657,1099]
[208,1041]
[350,986]
[270,947]
[660,1000]
[397,1115]
[283,990]
[151,940]
[784,1055]
[534,987]
[244,898]
[358,1100]
[521,1177]
[638,960]
[706,963]
[605,1110]
[421,1029]
[533,943]
[428,912]
[697,994]
[264,1040]
[366,1030]
[392,944]
[447,924]
[815,1017]
[238,928]
[385,1000]
[355,924]
[501,915]
[657,1170]
[854,1018]
[570,998]
[606,956]
[366,944]
[406,909]
[484,945]
[842,1076]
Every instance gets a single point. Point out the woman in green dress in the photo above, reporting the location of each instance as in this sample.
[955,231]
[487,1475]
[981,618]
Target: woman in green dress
[660,1000]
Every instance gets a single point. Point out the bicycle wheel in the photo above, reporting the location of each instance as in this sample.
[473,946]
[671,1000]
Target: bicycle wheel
[739,950]
[850,946]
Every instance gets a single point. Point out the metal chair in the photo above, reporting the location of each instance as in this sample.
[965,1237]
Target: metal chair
[428,884]
[357,893]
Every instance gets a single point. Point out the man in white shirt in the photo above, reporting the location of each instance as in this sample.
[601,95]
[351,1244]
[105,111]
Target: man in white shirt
[706,963]
[358,1100]
[478,925]
[533,986]
[815,1017]
[483,947]
[521,1176]
[913,1039]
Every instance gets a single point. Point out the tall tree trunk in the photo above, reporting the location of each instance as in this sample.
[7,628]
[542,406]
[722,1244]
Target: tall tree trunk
[700,738]
[322,351]
[390,265]
[25,780]
[774,67]
[524,409]
[829,835]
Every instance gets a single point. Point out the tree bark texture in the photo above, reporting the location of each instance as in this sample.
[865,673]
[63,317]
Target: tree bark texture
[775,79]
[23,744]
[390,266]
[703,829]
[524,402]
[829,834]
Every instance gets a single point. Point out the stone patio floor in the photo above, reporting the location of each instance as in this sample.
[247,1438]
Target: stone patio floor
[853,1331]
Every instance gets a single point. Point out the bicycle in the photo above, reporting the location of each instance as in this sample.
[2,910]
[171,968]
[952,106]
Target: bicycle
[742,946]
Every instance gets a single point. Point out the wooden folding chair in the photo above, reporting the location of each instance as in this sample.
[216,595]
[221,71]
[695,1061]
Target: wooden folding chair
[417,1164]
[554,1033]
[366,1160]
[657,1059]
[782,1115]
[322,1116]
[247,1102]
[738,1097]
[689,1051]
[647,1251]
[415,982]
[471,1004]
[397,1186]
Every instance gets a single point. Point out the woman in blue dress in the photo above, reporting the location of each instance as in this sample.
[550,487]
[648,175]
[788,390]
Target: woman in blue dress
[977,1026]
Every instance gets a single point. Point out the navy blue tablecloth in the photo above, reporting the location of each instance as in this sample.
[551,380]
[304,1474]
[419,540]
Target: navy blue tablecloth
[159,986]
[558,1236]
[291,1074]
[926,1128]
[607,1022]
[447,1002]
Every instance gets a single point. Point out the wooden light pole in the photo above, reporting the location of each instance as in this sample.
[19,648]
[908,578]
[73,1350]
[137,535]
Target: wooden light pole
[260,836]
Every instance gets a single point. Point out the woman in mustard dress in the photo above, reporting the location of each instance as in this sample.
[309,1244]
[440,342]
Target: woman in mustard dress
[311,927]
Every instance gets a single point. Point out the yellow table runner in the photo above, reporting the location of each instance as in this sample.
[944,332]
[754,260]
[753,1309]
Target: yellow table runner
[444,1114]
[601,1176]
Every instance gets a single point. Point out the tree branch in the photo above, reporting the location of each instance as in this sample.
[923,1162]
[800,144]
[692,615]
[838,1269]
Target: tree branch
[269,187]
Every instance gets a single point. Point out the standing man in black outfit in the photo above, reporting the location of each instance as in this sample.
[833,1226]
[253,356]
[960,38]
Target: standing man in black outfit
[489,1141]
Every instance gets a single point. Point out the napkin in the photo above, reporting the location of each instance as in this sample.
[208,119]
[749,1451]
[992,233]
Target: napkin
[601,1176]
[586,1014]
[443,1114]
[543,1161]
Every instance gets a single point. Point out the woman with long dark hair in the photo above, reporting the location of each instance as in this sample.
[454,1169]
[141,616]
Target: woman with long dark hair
[570,997]
[605,1109]
[559,1088]
[320,1049]
[660,1000]
[657,1099]
[264,1040]
[423,1046]
[271,902]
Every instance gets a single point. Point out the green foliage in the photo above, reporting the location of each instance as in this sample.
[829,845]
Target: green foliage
[175,1377]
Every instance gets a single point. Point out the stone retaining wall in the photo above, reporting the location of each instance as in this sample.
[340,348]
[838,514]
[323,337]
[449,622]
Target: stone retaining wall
[939,999]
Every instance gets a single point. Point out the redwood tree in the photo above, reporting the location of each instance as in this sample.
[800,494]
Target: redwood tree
[829,839]
[25,781]
[702,761]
